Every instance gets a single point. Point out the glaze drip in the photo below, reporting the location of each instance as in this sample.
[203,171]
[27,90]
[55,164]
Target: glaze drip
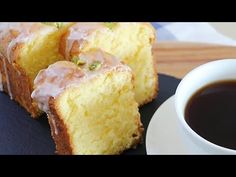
[80,33]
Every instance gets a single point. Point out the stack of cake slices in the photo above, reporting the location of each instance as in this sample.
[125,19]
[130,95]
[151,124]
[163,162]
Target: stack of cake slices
[90,79]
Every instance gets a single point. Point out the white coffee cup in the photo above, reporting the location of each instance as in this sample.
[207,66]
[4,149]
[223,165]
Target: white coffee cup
[199,77]
[225,28]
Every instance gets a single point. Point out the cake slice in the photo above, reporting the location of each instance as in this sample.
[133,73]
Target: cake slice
[90,104]
[130,42]
[25,49]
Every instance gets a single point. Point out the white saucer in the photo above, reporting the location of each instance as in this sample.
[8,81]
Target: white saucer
[164,135]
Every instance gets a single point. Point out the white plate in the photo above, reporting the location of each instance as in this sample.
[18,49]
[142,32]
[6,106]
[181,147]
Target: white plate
[164,135]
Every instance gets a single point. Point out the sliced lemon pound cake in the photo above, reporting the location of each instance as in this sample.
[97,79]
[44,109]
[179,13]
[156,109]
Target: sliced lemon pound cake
[130,42]
[26,48]
[90,104]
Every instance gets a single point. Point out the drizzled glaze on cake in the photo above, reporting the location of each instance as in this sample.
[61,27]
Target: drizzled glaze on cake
[57,77]
[13,35]
[79,34]
[51,81]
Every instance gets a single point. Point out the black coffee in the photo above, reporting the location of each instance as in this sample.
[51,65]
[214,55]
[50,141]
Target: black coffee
[211,113]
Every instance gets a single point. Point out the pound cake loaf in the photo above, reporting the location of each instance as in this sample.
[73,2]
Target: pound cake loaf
[130,42]
[26,48]
[90,104]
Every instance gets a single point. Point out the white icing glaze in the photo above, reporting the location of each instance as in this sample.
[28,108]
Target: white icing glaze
[12,34]
[20,36]
[80,33]
[55,73]
[63,74]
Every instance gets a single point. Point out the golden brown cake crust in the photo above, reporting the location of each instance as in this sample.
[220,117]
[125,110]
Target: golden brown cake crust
[58,130]
[20,86]
[15,82]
